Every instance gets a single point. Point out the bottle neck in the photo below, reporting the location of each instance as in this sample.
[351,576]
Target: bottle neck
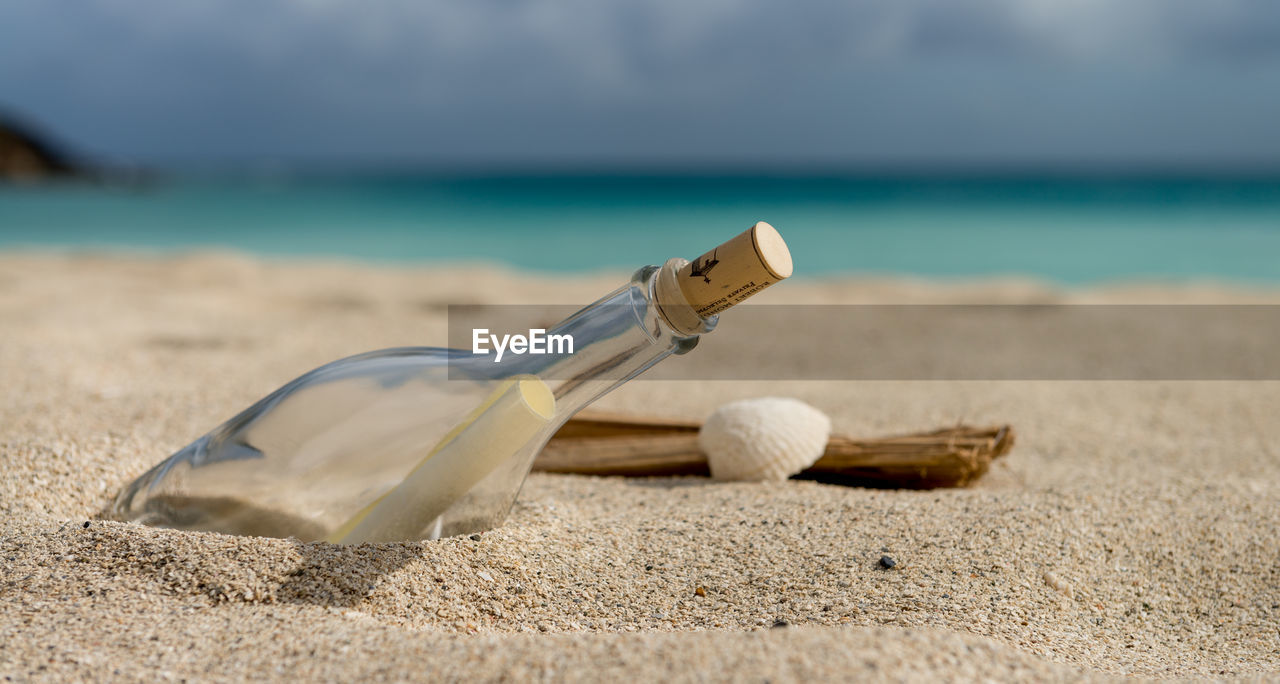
[616,338]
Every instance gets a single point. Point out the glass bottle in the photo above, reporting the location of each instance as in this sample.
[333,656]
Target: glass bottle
[423,442]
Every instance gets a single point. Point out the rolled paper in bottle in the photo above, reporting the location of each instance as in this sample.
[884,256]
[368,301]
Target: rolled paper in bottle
[736,270]
[498,428]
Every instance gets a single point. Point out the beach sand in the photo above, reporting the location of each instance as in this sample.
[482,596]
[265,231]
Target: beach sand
[1132,531]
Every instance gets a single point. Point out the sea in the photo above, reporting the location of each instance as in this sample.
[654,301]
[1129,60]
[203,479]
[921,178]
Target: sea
[1071,229]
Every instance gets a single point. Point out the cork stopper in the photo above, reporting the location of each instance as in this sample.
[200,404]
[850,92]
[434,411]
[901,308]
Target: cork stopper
[736,270]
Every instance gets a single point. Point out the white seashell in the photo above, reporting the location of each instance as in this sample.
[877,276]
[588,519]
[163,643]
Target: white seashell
[771,438]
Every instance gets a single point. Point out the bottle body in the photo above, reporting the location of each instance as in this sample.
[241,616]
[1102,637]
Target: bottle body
[410,443]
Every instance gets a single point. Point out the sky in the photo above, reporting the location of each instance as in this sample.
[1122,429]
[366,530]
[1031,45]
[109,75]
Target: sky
[1167,83]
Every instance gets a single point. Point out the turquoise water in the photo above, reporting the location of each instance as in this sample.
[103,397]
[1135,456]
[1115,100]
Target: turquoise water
[1071,230]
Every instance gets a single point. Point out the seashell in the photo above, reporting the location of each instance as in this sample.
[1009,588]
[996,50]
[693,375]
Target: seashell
[770,438]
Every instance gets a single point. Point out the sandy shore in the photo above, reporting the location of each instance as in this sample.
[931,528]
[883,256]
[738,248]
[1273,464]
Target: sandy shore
[1133,530]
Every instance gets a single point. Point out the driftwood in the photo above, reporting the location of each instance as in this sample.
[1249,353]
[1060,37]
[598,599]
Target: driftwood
[618,444]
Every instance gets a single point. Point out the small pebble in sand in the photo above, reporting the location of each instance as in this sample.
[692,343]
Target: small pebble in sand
[86,524]
[887,563]
[778,624]
[1058,584]
[700,591]
[474,537]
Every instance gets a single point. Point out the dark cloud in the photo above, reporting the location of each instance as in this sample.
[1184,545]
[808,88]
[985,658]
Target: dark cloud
[584,81]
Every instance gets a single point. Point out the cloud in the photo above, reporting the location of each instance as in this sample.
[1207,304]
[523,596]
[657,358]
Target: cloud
[582,78]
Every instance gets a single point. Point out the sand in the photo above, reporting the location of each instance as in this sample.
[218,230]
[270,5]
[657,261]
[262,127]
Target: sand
[1132,531]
